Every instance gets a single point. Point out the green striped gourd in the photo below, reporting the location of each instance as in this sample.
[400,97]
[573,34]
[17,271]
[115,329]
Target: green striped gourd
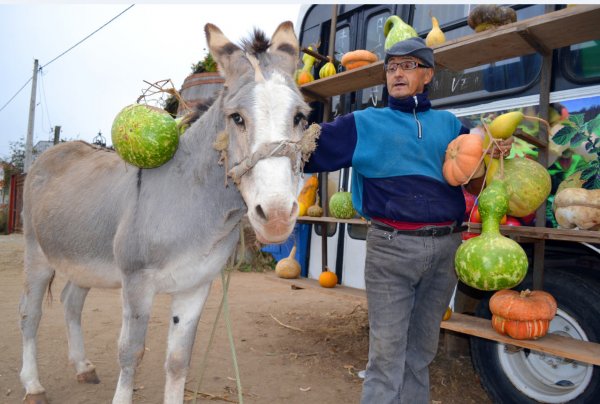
[491,261]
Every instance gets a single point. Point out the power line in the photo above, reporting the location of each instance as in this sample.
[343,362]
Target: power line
[111,20]
[17,93]
[65,52]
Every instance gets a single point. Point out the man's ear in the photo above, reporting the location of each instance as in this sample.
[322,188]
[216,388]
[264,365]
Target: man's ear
[428,75]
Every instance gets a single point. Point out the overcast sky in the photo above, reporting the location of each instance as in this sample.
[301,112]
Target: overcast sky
[83,90]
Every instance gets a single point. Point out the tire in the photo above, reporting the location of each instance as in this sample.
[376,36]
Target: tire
[513,375]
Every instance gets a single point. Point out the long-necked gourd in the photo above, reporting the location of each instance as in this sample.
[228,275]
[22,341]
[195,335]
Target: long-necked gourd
[491,261]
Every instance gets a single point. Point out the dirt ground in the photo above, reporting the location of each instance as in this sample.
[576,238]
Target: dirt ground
[293,345]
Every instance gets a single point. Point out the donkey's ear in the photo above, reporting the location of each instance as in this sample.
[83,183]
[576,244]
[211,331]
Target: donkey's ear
[223,51]
[285,44]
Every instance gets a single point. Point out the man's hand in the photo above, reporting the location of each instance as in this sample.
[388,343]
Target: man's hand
[501,147]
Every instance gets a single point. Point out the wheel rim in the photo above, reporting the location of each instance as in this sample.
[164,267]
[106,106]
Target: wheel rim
[544,377]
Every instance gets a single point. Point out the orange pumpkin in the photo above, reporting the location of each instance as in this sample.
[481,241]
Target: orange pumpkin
[328,279]
[463,160]
[522,315]
[357,58]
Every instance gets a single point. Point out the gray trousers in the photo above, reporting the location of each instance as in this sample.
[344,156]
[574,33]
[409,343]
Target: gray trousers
[409,283]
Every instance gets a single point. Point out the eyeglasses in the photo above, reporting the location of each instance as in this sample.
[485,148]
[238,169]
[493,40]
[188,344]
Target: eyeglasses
[404,65]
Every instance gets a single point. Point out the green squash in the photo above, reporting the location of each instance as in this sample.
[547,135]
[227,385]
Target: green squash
[528,184]
[340,205]
[491,261]
[145,136]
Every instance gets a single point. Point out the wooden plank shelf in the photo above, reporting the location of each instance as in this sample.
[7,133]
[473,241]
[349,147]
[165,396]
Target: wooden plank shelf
[538,34]
[583,351]
[546,233]
[526,232]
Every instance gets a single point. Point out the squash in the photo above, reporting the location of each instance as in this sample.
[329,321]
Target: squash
[308,195]
[145,136]
[491,261]
[528,184]
[328,279]
[304,74]
[396,30]
[577,207]
[315,210]
[488,16]
[358,58]
[463,160]
[436,35]
[522,315]
[288,268]
[327,70]
[340,205]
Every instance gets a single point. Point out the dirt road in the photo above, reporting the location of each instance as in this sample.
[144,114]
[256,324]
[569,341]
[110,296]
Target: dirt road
[293,346]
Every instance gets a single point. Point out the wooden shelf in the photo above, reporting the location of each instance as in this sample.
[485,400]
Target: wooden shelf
[545,233]
[526,232]
[539,34]
[583,351]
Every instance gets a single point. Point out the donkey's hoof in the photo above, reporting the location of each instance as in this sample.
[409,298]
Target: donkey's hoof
[88,377]
[39,398]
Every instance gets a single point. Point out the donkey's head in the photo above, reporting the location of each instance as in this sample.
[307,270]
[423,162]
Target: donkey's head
[265,117]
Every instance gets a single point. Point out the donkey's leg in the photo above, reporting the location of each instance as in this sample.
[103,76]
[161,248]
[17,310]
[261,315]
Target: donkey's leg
[73,297]
[37,277]
[137,304]
[185,312]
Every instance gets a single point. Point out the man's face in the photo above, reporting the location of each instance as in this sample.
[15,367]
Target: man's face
[407,83]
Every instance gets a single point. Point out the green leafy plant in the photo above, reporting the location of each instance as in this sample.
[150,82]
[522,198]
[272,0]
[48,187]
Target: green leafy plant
[576,131]
[205,65]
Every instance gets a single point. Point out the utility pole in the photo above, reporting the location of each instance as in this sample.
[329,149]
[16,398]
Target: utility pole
[56,134]
[29,141]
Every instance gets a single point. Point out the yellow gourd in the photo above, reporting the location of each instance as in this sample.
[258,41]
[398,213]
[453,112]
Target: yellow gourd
[308,195]
[436,35]
[327,70]
[288,268]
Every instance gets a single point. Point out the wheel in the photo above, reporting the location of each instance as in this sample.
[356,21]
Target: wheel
[511,374]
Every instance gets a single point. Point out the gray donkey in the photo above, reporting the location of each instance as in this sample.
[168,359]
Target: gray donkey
[103,223]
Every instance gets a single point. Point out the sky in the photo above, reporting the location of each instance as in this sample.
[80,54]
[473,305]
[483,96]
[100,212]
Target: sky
[83,90]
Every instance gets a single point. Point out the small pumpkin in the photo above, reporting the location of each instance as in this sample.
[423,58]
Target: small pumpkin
[522,315]
[303,77]
[328,279]
[304,74]
[288,268]
[357,58]
[463,160]
[308,195]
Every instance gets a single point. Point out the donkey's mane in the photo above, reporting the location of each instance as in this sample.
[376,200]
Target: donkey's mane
[257,43]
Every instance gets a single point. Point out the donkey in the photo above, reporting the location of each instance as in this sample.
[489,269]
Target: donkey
[103,223]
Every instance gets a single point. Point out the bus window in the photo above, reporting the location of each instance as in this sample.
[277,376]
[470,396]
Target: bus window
[582,61]
[342,45]
[444,13]
[374,42]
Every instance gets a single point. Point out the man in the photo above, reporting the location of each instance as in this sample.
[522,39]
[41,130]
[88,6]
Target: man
[397,155]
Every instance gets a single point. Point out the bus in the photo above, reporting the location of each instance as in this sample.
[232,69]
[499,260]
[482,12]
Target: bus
[571,269]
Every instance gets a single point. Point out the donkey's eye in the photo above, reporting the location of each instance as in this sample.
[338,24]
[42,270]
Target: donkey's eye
[237,119]
[299,118]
